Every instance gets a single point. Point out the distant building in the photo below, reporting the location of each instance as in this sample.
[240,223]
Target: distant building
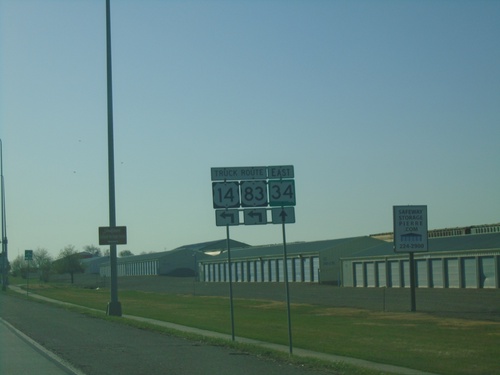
[458,258]
[177,262]
[317,261]
[467,257]
[453,261]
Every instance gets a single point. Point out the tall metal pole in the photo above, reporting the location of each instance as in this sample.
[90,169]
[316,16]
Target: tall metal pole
[114,306]
[5,278]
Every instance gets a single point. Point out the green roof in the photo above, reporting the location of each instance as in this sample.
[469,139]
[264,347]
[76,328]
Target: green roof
[343,246]
[198,247]
[472,242]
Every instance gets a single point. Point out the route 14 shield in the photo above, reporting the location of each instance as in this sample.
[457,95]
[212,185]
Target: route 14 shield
[226,194]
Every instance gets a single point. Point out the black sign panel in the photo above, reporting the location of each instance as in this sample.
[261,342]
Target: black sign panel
[112,235]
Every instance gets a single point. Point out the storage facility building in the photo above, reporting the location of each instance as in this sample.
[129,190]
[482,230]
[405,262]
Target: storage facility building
[317,261]
[457,258]
[462,258]
[177,262]
[462,261]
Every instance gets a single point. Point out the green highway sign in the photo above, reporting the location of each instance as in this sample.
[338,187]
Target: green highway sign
[281,193]
[28,254]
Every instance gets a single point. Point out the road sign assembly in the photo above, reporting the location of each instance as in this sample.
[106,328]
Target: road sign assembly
[253,189]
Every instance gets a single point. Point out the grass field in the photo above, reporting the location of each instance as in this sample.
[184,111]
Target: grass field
[414,340]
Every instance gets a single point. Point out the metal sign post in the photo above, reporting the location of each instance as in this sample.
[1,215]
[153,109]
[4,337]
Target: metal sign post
[28,280]
[28,256]
[231,305]
[287,291]
[413,297]
[410,236]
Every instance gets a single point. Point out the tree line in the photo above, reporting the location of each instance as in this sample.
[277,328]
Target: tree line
[67,262]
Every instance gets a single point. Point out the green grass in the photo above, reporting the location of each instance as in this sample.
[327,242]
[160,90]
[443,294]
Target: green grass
[413,340]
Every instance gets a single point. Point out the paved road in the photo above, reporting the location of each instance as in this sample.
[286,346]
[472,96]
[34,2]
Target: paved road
[99,347]
[21,355]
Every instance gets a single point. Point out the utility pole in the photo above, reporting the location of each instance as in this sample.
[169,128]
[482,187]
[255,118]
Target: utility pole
[114,306]
[5,259]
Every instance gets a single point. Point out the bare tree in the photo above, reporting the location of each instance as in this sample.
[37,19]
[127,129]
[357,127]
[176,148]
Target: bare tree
[126,253]
[69,262]
[43,262]
[94,250]
[19,267]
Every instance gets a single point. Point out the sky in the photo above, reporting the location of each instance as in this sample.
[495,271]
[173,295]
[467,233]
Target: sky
[374,103]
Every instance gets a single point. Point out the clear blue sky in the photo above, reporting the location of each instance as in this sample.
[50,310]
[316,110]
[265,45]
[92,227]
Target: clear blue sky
[375,103]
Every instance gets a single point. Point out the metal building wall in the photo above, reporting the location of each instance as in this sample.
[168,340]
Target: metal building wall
[144,268]
[300,269]
[467,270]
[436,273]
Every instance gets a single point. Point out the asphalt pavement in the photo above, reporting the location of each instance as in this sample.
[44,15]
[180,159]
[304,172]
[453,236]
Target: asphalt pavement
[21,355]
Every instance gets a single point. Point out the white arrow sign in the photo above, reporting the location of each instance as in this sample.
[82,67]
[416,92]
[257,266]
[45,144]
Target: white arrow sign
[227,217]
[255,216]
[283,215]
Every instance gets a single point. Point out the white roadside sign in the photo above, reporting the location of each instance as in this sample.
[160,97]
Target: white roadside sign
[226,194]
[227,217]
[410,229]
[283,215]
[255,216]
[253,193]
[239,173]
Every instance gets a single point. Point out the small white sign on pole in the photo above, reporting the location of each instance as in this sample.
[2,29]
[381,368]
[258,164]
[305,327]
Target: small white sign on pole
[410,229]
[227,217]
[282,215]
[255,216]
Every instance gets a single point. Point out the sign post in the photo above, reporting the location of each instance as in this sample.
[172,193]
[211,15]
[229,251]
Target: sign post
[410,236]
[113,236]
[28,256]
[287,290]
[231,305]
